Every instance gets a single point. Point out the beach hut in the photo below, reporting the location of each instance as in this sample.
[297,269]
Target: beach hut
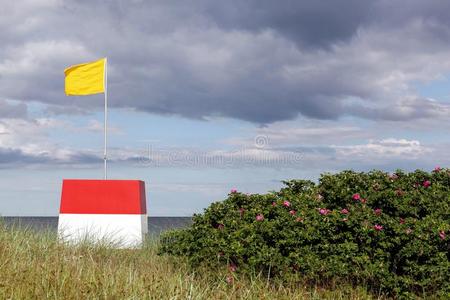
[107,211]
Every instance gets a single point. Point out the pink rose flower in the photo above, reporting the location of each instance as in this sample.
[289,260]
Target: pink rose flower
[220,226]
[259,217]
[363,201]
[274,204]
[286,203]
[230,279]
[378,227]
[324,211]
[344,211]
[377,211]
[233,191]
[442,235]
[298,219]
[437,169]
[426,183]
[241,211]
[402,221]
[356,197]
[292,212]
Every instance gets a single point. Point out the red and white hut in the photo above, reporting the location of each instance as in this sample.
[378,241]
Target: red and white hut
[112,211]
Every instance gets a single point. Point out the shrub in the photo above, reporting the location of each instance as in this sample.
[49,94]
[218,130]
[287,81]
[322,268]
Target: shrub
[390,232]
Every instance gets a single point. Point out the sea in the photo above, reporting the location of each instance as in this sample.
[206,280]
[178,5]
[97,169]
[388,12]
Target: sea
[156,225]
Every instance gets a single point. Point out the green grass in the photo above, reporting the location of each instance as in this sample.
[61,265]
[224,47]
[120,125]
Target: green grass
[34,265]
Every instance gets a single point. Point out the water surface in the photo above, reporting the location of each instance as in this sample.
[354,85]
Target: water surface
[156,225]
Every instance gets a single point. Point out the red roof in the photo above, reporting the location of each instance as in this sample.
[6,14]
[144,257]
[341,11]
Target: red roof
[103,197]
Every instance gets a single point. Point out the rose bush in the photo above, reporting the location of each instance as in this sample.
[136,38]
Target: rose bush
[386,231]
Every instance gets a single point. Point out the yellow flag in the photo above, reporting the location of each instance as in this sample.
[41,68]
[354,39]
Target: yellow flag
[85,79]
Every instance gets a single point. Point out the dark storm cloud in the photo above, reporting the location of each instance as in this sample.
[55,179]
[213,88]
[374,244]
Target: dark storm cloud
[308,23]
[261,61]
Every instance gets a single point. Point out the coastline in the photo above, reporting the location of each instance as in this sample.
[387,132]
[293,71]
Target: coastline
[156,225]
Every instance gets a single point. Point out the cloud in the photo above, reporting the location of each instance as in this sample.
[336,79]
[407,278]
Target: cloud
[258,61]
[283,134]
[13,158]
[278,146]
[97,126]
[12,110]
[25,142]
[53,110]
[16,156]
[387,154]
[308,23]
[385,149]
[406,109]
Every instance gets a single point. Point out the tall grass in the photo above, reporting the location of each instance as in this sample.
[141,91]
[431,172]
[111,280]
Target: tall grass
[34,265]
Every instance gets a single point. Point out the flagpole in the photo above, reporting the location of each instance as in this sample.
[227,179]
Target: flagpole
[105,153]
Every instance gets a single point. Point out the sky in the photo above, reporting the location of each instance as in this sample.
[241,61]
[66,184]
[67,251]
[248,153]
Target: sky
[208,96]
